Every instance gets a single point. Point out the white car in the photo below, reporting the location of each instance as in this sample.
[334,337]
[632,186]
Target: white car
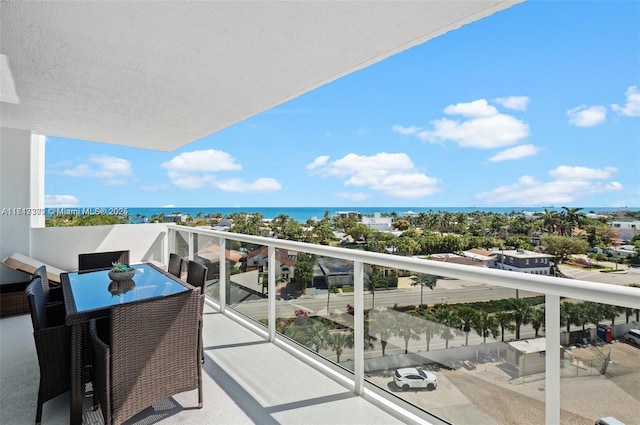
[632,336]
[410,377]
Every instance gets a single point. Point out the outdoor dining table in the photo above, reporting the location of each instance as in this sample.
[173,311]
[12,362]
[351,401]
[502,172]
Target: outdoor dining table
[89,295]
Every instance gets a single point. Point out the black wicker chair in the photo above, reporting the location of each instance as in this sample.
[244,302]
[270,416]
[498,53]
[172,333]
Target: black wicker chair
[101,260]
[175,265]
[197,276]
[53,294]
[146,352]
[53,345]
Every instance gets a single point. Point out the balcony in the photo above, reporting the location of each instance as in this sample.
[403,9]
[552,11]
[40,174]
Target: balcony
[263,368]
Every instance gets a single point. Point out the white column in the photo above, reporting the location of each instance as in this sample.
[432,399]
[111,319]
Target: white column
[222,261]
[272,292]
[358,327]
[552,359]
[37,179]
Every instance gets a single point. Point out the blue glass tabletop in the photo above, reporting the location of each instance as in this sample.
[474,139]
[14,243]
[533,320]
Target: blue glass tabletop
[95,290]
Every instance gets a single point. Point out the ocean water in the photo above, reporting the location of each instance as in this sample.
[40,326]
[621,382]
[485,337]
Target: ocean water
[302,214]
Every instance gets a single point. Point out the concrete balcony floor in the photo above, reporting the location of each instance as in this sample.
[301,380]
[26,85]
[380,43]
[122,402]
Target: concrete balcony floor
[246,380]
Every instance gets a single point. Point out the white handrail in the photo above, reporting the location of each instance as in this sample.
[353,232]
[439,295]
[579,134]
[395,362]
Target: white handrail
[617,295]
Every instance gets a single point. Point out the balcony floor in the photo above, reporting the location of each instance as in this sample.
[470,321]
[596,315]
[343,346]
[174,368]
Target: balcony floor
[245,381]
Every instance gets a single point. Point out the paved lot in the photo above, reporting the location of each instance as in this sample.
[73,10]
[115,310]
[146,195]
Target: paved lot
[489,395]
[624,276]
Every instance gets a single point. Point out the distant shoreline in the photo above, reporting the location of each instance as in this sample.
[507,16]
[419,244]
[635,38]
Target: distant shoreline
[302,214]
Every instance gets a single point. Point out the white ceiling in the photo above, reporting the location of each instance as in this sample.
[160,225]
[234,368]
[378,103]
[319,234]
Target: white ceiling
[163,74]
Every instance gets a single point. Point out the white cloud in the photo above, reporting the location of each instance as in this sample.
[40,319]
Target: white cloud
[318,162]
[354,197]
[209,160]
[154,188]
[566,172]
[632,107]
[483,127]
[393,174]
[169,206]
[114,171]
[405,131]
[263,184]
[517,152]
[193,170]
[477,108]
[58,201]
[583,116]
[570,184]
[518,103]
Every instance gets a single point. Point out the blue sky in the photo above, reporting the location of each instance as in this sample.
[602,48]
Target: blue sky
[534,106]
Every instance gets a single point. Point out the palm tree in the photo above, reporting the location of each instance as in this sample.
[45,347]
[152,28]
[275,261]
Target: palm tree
[521,312]
[382,324]
[318,336]
[332,288]
[550,220]
[467,317]
[537,319]
[485,325]
[423,279]
[338,341]
[428,324]
[450,323]
[573,217]
[505,321]
[406,327]
[376,280]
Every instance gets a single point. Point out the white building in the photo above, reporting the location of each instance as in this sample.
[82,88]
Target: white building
[377,222]
[627,228]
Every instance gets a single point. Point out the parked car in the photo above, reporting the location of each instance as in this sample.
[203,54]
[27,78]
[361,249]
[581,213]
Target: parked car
[632,336]
[608,421]
[410,377]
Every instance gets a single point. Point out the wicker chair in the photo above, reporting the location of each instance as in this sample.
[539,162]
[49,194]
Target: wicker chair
[146,352]
[101,260]
[197,276]
[53,294]
[53,345]
[175,265]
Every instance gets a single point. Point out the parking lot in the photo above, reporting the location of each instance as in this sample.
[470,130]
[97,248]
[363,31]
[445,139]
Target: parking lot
[490,395]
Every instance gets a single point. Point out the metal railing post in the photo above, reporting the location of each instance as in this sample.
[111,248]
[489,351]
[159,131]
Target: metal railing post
[191,247]
[222,262]
[552,359]
[271,289]
[358,327]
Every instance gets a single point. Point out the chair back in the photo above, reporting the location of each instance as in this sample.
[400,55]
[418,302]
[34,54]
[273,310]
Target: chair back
[154,353]
[41,272]
[101,260]
[175,265]
[197,274]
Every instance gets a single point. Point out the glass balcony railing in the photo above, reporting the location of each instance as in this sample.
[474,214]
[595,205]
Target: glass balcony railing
[460,344]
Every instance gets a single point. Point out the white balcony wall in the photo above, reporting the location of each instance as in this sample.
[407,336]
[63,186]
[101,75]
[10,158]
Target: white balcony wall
[15,184]
[60,246]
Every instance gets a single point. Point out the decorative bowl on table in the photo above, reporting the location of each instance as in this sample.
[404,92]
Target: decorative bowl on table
[120,272]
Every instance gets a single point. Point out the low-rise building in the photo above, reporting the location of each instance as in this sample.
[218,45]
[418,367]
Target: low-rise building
[377,222]
[488,258]
[627,228]
[523,261]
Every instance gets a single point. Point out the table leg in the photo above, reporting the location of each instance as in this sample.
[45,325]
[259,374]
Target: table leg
[77,375]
